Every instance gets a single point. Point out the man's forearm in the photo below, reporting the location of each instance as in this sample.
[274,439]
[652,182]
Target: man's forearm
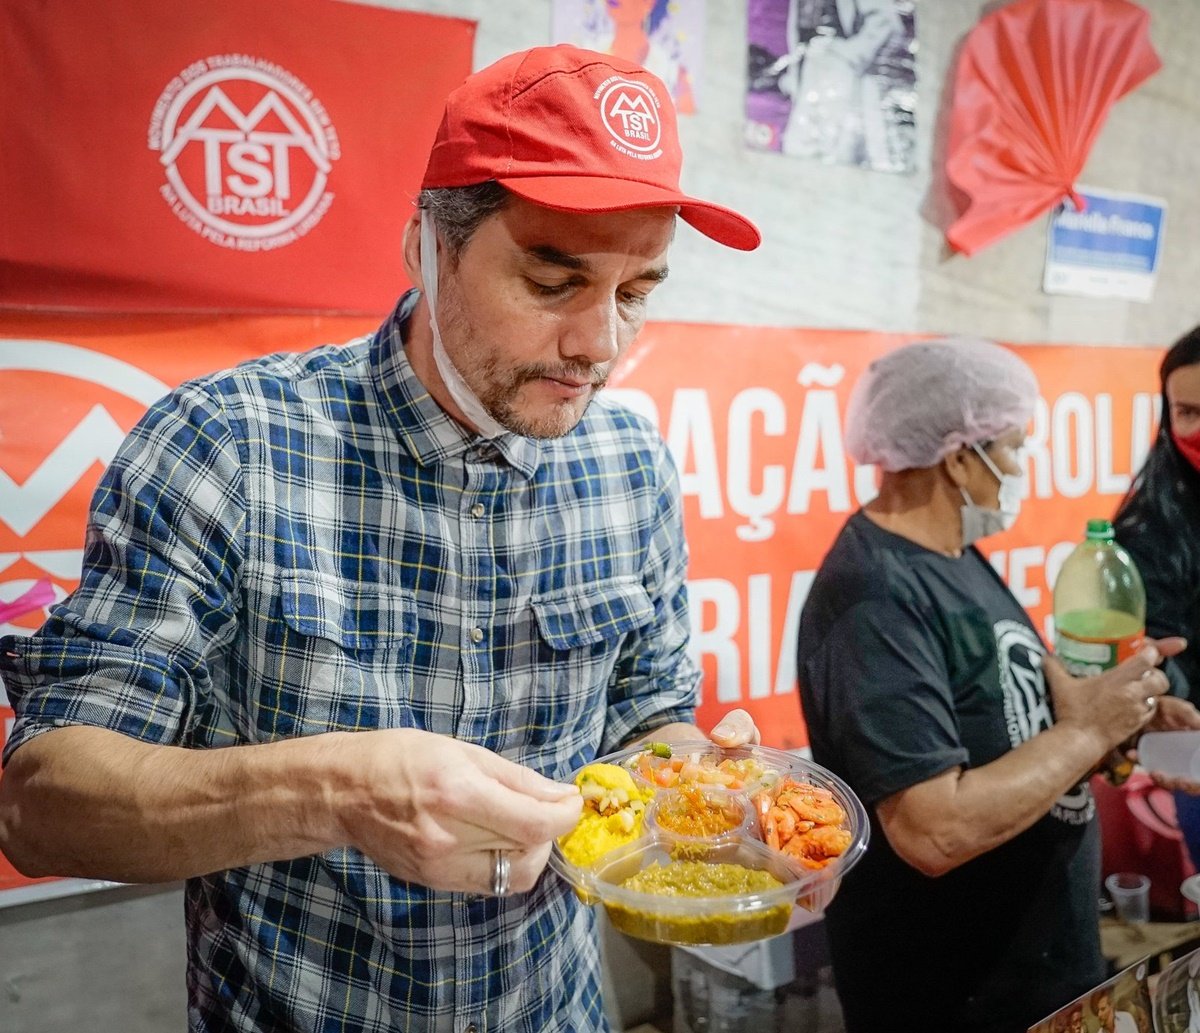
[92,803]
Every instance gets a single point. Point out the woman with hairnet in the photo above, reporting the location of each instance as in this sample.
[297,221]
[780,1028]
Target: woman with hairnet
[926,687]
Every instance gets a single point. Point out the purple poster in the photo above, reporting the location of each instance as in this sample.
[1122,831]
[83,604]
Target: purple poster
[833,80]
[664,36]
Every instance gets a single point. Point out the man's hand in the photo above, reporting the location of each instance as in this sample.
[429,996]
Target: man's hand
[1114,706]
[430,809]
[736,728]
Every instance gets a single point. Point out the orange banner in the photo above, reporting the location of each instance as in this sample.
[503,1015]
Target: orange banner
[752,416]
[72,390]
[754,419]
[180,156]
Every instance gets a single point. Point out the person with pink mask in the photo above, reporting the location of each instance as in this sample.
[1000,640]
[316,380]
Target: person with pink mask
[1158,522]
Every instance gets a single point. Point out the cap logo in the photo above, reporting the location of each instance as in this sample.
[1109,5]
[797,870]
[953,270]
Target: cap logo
[629,111]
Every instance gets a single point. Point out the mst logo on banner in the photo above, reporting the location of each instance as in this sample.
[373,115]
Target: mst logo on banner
[49,465]
[207,158]
[247,150]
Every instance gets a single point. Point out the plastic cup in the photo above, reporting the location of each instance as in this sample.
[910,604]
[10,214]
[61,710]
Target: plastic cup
[1171,753]
[1130,892]
[1189,889]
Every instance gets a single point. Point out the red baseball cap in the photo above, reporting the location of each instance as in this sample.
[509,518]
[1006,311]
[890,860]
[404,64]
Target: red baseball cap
[577,131]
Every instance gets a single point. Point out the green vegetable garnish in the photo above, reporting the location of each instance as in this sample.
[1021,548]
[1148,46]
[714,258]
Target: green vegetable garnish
[660,749]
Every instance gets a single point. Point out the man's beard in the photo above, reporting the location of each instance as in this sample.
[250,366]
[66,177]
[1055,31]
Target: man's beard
[497,390]
[500,394]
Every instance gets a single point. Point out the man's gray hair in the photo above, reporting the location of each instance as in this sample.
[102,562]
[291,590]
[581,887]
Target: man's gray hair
[459,211]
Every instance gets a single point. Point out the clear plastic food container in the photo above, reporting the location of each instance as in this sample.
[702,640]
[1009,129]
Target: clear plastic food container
[718,860]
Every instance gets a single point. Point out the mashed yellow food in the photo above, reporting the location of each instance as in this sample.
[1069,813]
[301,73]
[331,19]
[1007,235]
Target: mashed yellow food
[613,809]
[708,924]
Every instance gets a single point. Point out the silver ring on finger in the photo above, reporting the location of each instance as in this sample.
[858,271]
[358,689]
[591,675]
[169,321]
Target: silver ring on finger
[1151,703]
[501,870]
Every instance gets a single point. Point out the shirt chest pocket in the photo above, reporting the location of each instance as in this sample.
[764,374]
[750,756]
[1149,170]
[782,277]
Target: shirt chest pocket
[591,616]
[345,657]
[574,647]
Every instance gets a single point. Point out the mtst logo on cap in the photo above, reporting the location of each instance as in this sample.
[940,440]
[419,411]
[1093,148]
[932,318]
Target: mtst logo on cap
[630,113]
[577,131]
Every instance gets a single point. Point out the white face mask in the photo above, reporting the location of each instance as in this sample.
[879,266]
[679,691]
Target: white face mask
[466,399]
[979,521]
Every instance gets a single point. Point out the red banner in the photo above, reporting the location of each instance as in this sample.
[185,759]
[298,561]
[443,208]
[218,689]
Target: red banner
[215,156]
[753,417]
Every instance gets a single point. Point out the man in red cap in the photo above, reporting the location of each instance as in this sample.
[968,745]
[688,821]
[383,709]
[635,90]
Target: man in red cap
[349,619]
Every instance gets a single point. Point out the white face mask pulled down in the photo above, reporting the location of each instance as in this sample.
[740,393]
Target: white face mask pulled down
[980,521]
[466,399]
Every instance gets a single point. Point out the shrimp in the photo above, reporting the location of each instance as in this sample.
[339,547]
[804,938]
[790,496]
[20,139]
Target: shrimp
[811,803]
[802,821]
[817,847]
[779,826]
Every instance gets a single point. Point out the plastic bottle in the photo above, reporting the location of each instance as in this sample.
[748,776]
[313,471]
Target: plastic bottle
[1099,615]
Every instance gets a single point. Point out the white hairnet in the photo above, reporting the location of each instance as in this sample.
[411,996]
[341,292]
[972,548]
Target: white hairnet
[919,403]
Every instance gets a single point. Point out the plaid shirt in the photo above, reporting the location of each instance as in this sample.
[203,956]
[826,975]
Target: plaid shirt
[308,543]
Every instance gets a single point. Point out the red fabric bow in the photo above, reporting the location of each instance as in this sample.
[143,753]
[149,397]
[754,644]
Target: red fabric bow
[1034,84]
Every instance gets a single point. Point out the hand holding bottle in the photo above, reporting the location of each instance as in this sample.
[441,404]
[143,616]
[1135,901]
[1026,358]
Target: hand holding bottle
[1115,705]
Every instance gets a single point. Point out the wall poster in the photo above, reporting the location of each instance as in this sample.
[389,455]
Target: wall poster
[664,36]
[833,80]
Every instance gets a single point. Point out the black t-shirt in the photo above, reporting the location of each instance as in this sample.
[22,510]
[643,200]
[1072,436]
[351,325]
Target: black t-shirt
[1172,591]
[912,663]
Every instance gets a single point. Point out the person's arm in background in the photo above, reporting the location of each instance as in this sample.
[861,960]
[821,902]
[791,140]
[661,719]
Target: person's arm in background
[98,781]
[941,823]
[887,703]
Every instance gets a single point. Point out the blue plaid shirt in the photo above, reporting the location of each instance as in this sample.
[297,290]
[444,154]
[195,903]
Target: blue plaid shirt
[308,543]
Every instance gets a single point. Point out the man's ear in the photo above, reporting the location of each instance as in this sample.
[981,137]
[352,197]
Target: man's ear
[411,247]
[955,465]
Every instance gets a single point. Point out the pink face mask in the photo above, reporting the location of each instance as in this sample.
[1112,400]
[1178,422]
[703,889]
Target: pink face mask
[1190,447]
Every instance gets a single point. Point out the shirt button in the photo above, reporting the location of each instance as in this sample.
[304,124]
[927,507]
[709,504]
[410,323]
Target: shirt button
[477,635]
[472,1028]
[477,510]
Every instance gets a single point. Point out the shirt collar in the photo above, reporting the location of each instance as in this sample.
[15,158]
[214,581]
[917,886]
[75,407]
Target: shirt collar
[429,433]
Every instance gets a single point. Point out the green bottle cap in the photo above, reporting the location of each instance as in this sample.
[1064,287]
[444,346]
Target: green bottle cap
[1100,529]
